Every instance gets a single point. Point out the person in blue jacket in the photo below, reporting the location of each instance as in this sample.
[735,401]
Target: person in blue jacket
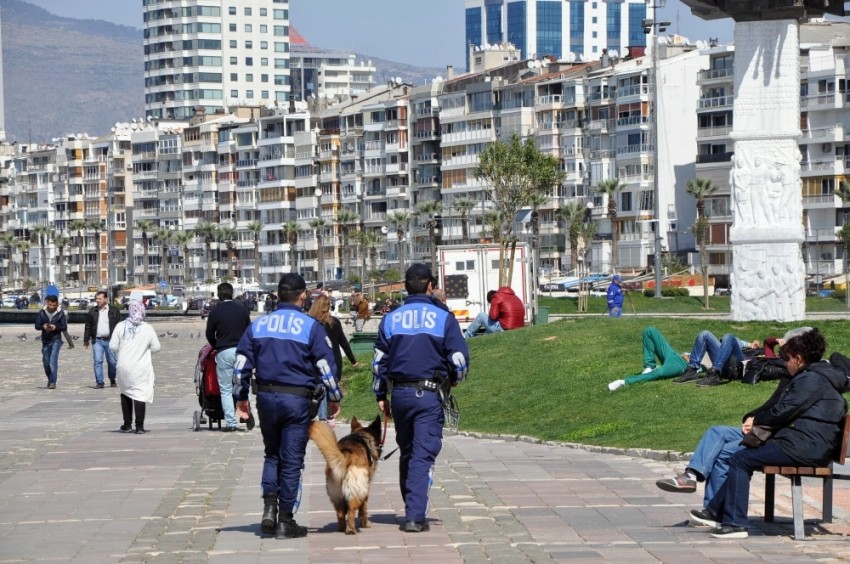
[51,321]
[419,348]
[615,297]
[288,350]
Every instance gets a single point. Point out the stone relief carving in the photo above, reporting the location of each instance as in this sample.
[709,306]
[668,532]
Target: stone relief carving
[768,285]
[765,185]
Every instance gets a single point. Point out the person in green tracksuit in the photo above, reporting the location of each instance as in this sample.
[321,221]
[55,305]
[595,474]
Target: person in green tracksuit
[655,347]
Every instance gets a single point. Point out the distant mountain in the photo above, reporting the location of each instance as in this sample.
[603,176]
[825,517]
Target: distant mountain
[63,75]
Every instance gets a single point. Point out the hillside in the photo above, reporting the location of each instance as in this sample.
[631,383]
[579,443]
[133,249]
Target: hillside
[64,75]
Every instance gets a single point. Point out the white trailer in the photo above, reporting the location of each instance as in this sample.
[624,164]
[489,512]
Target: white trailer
[468,272]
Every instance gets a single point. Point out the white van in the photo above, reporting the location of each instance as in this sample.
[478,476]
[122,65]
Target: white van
[142,296]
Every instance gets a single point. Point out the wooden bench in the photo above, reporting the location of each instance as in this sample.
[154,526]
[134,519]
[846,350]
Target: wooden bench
[796,475]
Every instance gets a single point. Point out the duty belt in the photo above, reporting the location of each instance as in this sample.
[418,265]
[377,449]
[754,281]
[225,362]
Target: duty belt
[283,389]
[428,385]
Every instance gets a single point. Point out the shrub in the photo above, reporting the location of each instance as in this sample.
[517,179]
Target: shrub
[667,292]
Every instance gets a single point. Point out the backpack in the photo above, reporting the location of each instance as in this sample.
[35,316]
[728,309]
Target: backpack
[763,368]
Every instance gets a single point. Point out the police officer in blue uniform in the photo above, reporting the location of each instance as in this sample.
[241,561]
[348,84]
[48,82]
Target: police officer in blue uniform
[290,352]
[419,347]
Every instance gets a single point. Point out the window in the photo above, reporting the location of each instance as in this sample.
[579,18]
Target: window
[264,62]
[249,77]
[281,63]
[234,61]
[249,93]
[280,47]
[265,95]
[264,44]
[264,28]
[249,45]
[234,77]
[263,12]
[247,11]
[264,78]
[232,10]
[281,15]
[281,30]
[249,61]
[248,28]
[231,27]
[233,44]
[234,93]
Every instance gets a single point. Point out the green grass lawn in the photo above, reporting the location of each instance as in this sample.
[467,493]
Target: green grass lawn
[550,382]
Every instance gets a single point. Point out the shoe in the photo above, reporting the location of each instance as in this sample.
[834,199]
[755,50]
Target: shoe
[729,532]
[229,429]
[616,385]
[680,483]
[268,524]
[416,527]
[70,346]
[712,379]
[140,430]
[249,422]
[647,370]
[112,384]
[126,428]
[289,529]
[51,386]
[98,386]
[466,335]
[690,375]
[704,517]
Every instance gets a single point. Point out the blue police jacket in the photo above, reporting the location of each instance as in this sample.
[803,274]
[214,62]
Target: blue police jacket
[615,296]
[418,341]
[288,348]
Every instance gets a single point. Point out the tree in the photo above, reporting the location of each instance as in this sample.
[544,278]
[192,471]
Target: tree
[586,234]
[79,225]
[7,242]
[843,191]
[182,240]
[24,246]
[369,240]
[61,242]
[573,214]
[431,209]
[97,226]
[400,219]
[255,228]
[344,218]
[514,172]
[290,234]
[229,235]
[610,188]
[491,220]
[163,236]
[146,226]
[208,232]
[537,200]
[319,224]
[700,188]
[42,233]
[464,206]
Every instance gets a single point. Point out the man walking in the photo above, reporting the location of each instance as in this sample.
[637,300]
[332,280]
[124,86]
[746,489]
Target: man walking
[290,353]
[419,349]
[225,326]
[615,297]
[51,321]
[363,312]
[100,323]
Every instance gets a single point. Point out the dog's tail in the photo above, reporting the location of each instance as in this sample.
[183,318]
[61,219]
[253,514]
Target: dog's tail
[324,437]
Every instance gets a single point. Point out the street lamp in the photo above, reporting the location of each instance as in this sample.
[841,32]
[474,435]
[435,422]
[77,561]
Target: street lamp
[652,27]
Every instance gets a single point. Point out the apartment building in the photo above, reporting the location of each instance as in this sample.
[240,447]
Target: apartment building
[214,54]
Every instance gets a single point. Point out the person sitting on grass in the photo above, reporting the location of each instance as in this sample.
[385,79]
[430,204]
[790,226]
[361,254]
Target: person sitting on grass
[720,351]
[655,347]
[506,312]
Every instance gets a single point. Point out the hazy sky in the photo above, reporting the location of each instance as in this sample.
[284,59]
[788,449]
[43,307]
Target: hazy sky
[419,33]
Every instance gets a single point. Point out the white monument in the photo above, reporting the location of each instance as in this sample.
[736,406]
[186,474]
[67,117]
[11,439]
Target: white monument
[768,273]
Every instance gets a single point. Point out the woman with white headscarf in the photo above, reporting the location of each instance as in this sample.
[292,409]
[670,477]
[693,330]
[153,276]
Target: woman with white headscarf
[133,341]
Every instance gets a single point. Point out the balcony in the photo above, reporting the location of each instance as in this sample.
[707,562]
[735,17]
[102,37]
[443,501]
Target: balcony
[715,157]
[716,131]
[716,102]
[715,74]
[641,148]
[632,91]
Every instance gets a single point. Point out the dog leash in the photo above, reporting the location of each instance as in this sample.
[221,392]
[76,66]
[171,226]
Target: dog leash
[384,437]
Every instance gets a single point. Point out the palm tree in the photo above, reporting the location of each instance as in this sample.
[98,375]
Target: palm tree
[431,209]
[60,242]
[492,220]
[610,188]
[573,213]
[182,240]
[7,241]
[700,188]
[42,233]
[146,226]
[843,191]
[255,228]
[319,225]
[464,206]
[344,218]
[79,225]
[207,231]
[97,226]
[24,246]
[229,235]
[400,218]
[163,236]
[290,235]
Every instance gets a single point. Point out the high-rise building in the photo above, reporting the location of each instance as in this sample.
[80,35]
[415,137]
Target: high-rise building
[573,30]
[213,54]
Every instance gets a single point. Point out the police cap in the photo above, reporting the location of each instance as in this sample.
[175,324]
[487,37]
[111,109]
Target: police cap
[418,271]
[291,282]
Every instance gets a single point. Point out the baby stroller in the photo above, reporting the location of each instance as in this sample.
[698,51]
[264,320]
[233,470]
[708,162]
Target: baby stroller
[209,394]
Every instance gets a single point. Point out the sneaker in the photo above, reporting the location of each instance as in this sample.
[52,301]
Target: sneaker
[690,375]
[729,532]
[70,346]
[704,517]
[289,529]
[140,430]
[712,379]
[680,483]
[647,370]
[112,384]
[98,386]
[126,428]
[51,386]
[416,527]
[616,385]
[229,429]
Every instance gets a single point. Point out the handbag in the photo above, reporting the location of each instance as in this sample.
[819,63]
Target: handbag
[758,435]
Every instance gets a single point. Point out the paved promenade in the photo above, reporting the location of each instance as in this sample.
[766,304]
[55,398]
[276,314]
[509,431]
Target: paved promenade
[74,489]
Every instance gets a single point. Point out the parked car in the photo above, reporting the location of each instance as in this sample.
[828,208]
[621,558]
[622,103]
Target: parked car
[9,301]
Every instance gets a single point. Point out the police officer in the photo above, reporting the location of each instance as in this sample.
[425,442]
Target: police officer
[285,348]
[419,346]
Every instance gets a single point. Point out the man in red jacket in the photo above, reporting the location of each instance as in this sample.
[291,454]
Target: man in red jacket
[506,313]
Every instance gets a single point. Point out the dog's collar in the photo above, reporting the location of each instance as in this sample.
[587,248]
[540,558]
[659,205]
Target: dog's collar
[369,454]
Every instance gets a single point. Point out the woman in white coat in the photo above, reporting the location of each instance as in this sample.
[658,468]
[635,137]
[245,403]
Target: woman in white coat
[133,341]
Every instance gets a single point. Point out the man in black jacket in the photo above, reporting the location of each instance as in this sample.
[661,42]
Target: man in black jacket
[100,323]
[225,325]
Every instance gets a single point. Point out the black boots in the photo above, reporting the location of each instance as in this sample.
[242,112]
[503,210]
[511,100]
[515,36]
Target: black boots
[287,528]
[269,523]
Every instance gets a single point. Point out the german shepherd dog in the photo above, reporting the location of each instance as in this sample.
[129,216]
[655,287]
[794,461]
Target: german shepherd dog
[351,463]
